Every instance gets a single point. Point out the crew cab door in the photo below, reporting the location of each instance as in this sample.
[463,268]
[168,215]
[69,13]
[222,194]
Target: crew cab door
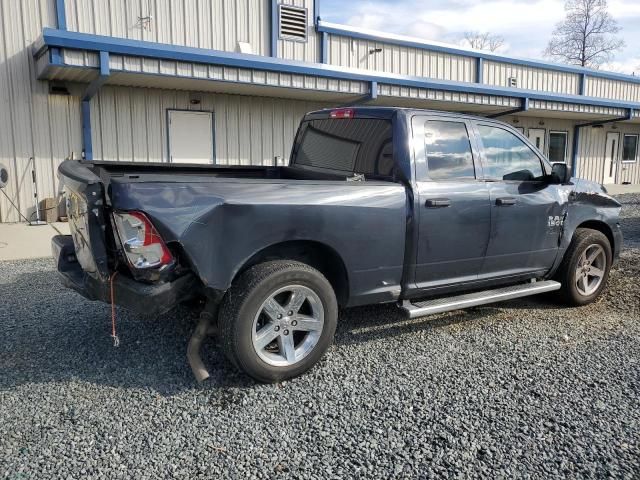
[454,211]
[526,210]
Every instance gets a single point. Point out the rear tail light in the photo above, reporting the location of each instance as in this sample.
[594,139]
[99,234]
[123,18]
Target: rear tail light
[342,113]
[142,244]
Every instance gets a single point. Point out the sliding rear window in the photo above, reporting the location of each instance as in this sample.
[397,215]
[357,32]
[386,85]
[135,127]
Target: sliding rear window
[346,146]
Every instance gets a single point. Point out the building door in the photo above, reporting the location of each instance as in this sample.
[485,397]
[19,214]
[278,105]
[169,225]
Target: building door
[536,136]
[611,157]
[190,136]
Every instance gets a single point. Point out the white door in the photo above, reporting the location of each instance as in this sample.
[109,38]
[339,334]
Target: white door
[537,136]
[190,137]
[611,157]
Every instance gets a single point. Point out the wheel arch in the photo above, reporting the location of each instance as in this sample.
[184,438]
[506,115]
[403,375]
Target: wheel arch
[601,227]
[313,253]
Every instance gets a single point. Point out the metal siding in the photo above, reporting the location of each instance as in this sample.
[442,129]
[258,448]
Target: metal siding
[248,130]
[33,125]
[614,89]
[211,24]
[498,73]
[445,96]
[354,53]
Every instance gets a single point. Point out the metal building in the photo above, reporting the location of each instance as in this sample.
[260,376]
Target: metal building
[226,82]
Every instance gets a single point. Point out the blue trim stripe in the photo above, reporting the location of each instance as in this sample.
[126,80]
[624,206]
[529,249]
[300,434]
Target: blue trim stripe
[324,48]
[274,29]
[121,46]
[480,70]
[61,14]
[353,32]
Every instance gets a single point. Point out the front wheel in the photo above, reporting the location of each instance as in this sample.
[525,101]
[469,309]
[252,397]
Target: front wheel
[585,267]
[277,320]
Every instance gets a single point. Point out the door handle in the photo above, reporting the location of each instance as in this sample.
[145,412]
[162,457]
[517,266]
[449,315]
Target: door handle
[438,202]
[505,201]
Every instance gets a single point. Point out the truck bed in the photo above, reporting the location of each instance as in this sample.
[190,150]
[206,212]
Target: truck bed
[216,218]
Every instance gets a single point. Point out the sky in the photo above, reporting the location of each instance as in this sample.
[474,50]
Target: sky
[526,25]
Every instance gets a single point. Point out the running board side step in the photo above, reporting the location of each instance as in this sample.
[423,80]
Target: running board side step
[447,304]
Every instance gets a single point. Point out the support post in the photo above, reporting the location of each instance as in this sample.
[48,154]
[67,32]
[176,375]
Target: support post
[575,148]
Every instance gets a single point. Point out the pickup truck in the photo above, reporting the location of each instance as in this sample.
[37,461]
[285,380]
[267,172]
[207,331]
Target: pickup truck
[430,210]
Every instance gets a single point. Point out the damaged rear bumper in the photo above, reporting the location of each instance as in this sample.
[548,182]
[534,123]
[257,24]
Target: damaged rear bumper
[150,299]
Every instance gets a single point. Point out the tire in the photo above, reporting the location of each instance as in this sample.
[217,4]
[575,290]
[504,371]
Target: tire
[249,317]
[585,241]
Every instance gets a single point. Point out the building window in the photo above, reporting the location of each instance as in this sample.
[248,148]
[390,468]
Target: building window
[190,136]
[630,148]
[558,147]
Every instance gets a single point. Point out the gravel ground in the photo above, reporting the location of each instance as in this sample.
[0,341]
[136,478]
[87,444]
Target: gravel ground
[522,389]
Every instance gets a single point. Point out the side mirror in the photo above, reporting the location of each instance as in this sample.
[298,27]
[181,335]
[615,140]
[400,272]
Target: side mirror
[560,173]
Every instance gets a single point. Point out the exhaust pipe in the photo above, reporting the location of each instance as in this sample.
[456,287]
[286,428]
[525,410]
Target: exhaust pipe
[201,332]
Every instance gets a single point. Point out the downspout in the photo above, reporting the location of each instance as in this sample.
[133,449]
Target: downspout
[89,93]
[524,106]
[61,21]
[274,29]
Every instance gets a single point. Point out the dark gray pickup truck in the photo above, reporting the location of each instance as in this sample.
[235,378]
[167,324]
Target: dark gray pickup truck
[433,211]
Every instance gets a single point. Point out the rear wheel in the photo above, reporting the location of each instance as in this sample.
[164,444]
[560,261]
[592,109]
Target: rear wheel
[277,320]
[585,268]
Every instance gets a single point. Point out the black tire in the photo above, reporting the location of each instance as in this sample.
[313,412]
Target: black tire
[583,238]
[245,298]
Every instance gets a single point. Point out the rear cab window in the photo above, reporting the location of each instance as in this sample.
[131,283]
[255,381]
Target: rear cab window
[346,146]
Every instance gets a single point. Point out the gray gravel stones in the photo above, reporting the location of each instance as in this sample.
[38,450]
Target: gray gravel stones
[523,389]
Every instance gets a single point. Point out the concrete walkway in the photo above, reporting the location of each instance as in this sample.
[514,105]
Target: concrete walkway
[19,241]
[622,189]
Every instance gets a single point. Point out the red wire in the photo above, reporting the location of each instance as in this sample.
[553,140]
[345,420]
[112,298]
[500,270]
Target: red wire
[113,311]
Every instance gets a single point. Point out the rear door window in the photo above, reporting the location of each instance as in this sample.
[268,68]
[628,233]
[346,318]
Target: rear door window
[448,151]
[347,146]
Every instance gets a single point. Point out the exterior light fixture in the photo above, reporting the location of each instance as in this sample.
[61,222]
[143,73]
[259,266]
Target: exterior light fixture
[375,50]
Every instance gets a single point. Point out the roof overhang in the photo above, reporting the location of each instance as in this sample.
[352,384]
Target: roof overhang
[72,56]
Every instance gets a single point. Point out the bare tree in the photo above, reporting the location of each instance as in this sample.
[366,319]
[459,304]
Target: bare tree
[483,41]
[587,36]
